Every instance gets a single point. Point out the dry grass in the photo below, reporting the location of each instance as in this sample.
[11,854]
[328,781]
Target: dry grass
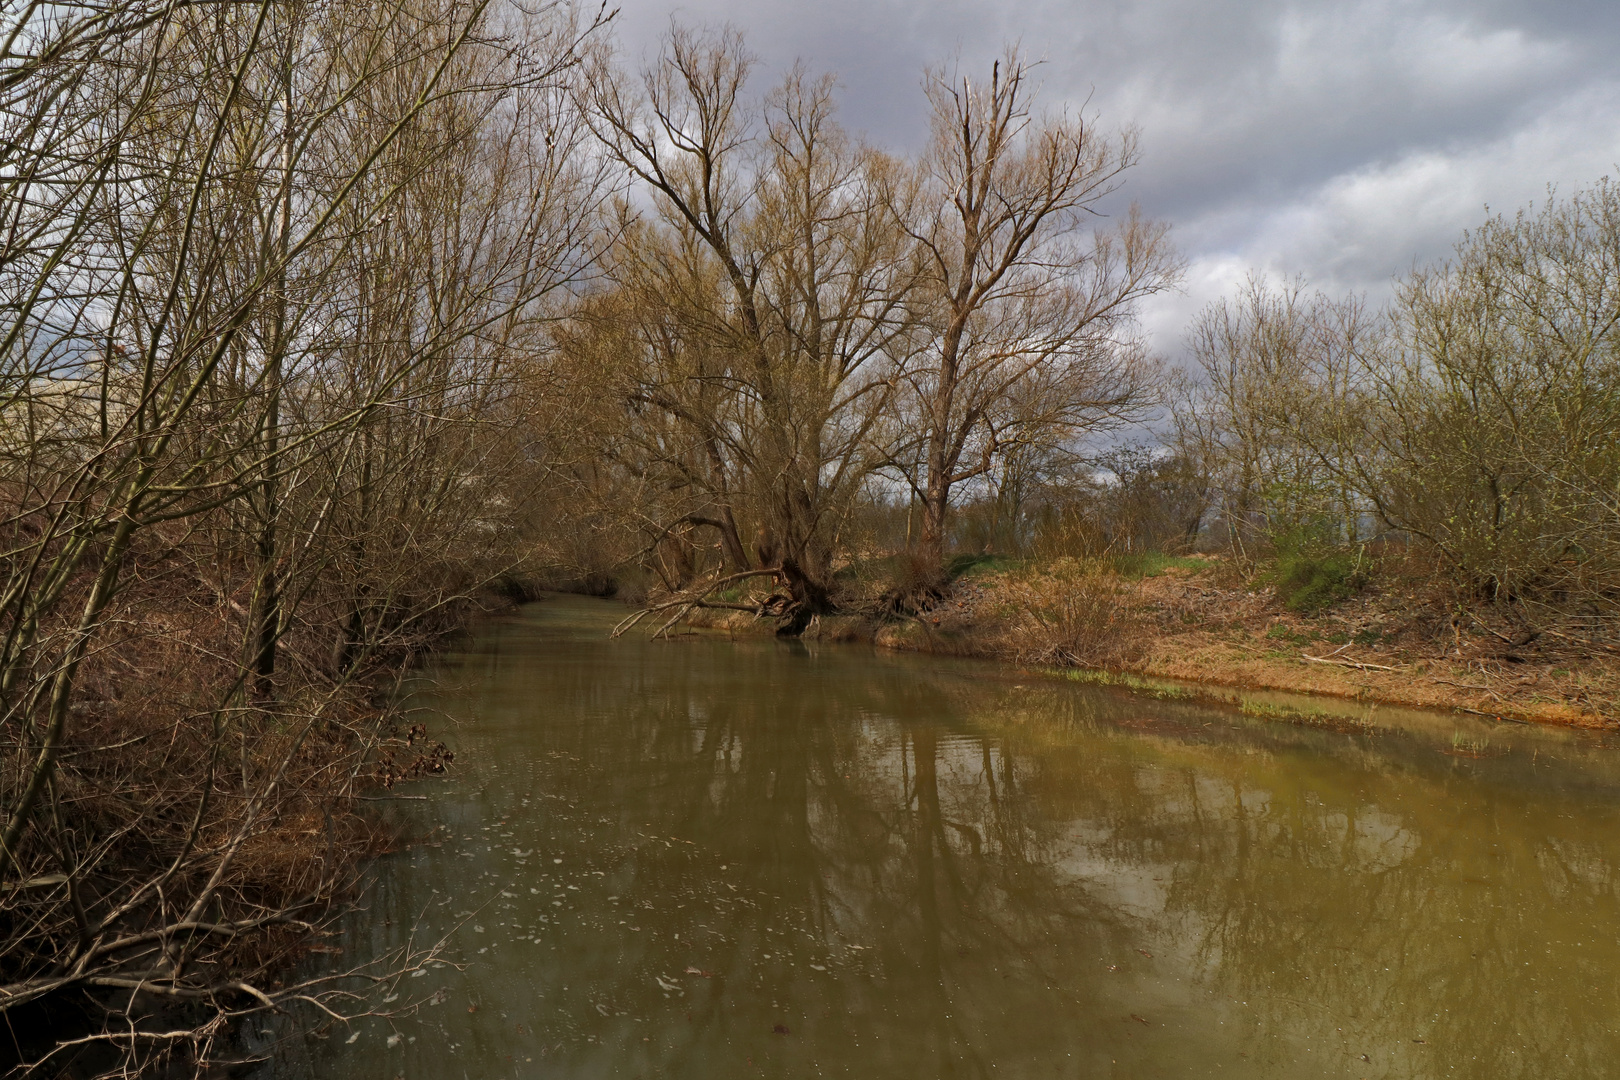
[1204,621]
[1073,613]
[1398,644]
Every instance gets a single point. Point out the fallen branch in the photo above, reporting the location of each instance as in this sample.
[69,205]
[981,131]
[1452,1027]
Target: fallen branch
[1477,621]
[1357,664]
[629,621]
[1466,686]
[1470,686]
[1504,718]
[1586,642]
[691,599]
[680,614]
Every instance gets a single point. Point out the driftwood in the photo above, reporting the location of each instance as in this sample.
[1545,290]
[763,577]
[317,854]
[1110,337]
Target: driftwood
[697,597]
[1357,664]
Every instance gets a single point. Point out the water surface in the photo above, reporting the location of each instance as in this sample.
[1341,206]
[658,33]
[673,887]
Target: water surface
[705,858]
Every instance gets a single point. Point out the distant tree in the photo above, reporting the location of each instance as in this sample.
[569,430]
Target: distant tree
[1019,293]
[1496,415]
[1155,498]
[1479,416]
[1265,415]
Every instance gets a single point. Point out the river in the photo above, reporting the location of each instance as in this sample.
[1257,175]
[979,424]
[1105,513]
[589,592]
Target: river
[713,858]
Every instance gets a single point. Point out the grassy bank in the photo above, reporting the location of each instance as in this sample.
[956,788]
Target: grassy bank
[1198,621]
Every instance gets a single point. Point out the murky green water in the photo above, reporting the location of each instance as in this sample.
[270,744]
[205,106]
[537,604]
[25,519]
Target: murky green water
[712,859]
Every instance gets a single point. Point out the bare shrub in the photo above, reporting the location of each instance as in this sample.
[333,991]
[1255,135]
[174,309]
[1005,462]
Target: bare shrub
[1076,612]
[1497,419]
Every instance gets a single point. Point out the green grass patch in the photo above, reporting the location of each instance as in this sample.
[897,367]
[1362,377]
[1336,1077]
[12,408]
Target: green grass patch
[1282,632]
[1310,583]
[1267,711]
[1136,684]
[1312,574]
[1305,716]
[961,566]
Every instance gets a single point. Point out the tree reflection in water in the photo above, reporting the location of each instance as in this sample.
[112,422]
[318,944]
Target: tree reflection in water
[799,861]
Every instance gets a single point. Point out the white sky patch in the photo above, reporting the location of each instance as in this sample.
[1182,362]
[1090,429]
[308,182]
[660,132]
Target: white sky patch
[1439,55]
[1359,231]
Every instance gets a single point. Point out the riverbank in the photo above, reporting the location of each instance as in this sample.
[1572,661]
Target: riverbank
[1197,622]
[218,835]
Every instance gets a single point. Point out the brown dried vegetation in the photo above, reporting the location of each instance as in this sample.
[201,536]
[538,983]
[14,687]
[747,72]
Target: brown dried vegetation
[1400,642]
[268,271]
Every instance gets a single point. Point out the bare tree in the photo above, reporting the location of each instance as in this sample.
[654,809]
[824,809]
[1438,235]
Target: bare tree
[1495,415]
[1018,290]
[1272,418]
[779,282]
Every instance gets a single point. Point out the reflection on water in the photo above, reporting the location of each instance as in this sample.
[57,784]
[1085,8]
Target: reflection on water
[704,858]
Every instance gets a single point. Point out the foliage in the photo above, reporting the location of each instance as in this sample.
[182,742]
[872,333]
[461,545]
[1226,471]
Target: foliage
[1310,573]
[1477,419]
[1496,413]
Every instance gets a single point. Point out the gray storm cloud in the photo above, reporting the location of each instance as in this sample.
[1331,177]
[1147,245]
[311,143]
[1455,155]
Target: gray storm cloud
[1342,142]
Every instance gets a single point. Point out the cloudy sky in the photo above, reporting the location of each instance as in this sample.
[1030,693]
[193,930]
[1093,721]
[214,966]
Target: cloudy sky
[1342,141]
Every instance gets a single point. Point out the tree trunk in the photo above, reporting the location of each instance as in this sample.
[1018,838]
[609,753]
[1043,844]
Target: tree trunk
[805,564]
[266,607]
[730,538]
[940,461]
[811,597]
[731,541]
[267,591]
[936,497]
